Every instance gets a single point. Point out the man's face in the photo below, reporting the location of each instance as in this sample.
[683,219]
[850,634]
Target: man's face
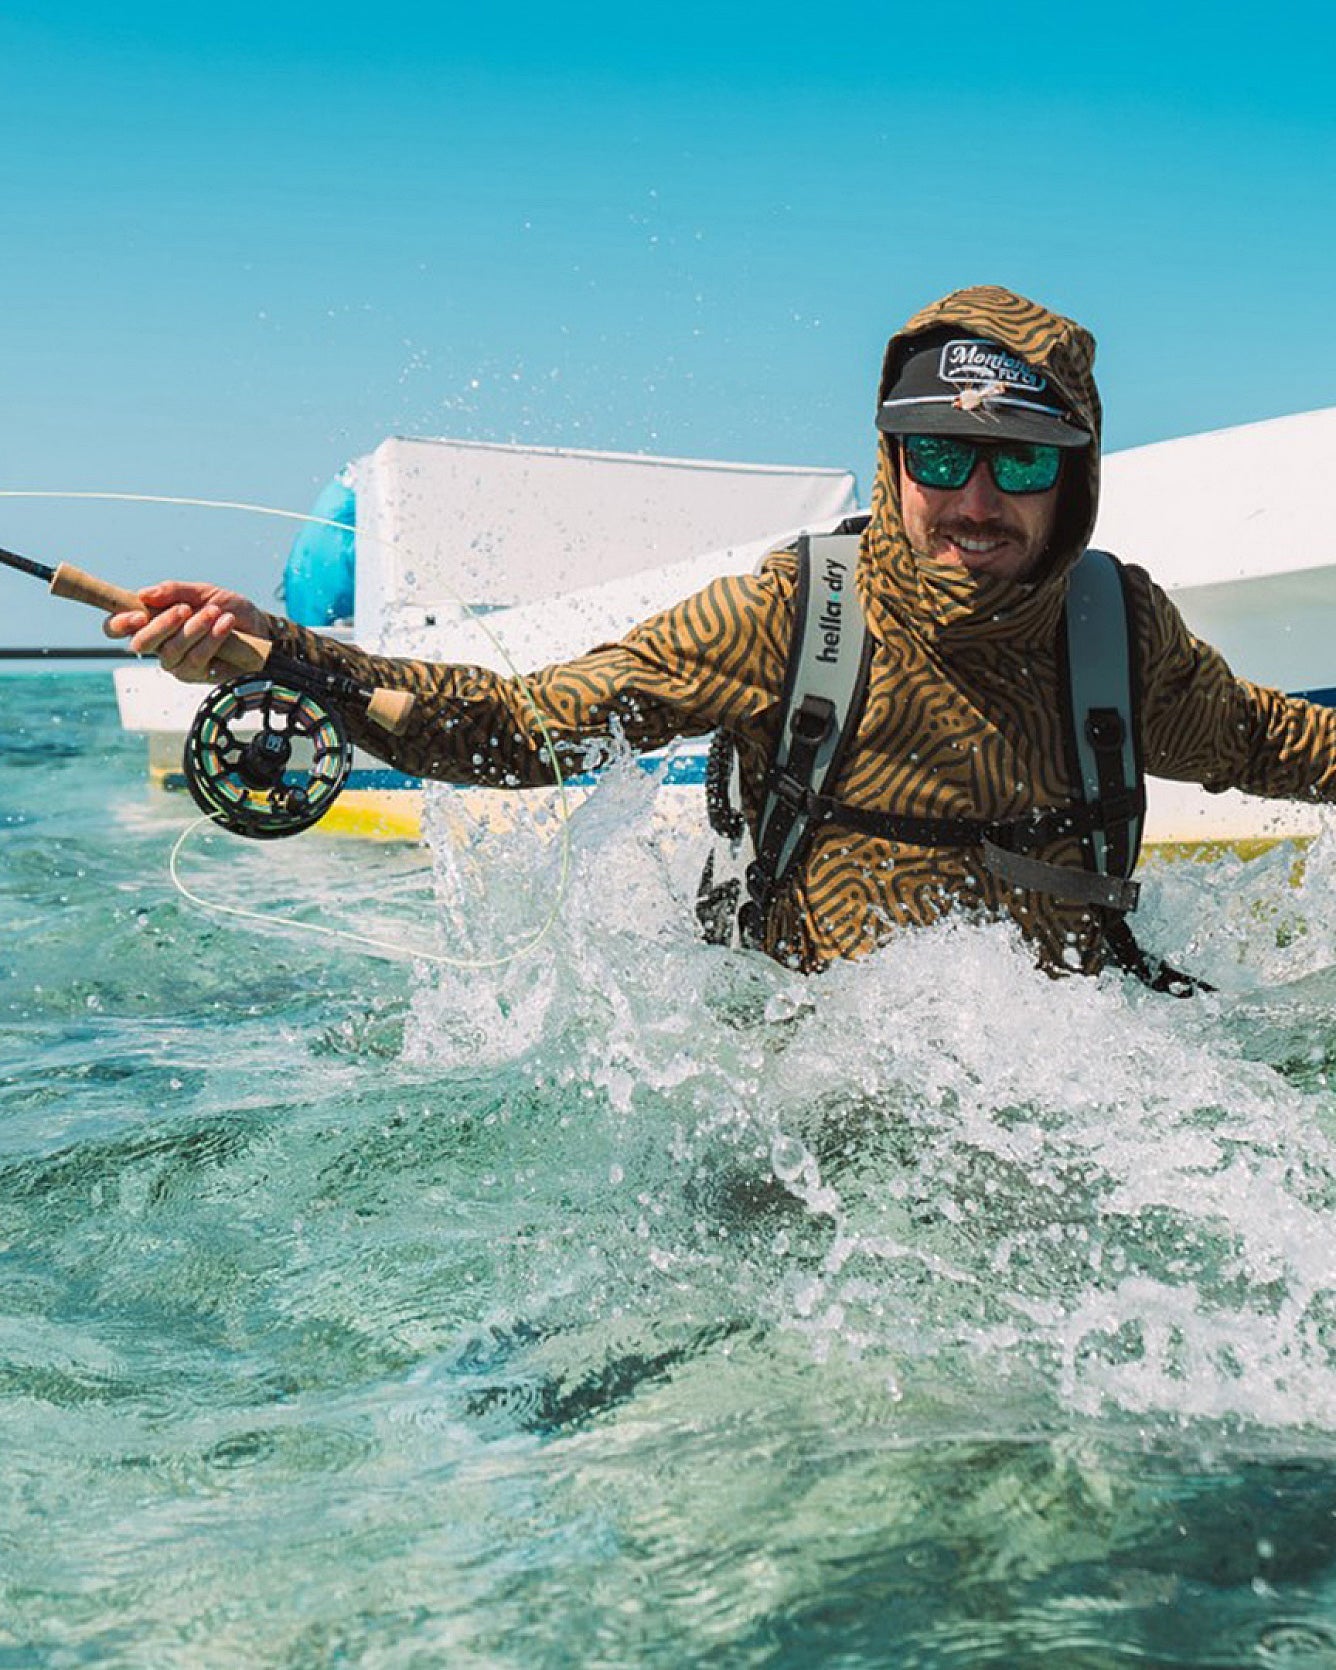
[977,526]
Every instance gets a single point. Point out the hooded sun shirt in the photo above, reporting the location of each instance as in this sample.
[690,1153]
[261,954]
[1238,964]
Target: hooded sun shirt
[963,717]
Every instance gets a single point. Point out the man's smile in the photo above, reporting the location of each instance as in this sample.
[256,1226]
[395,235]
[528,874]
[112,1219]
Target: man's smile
[975,542]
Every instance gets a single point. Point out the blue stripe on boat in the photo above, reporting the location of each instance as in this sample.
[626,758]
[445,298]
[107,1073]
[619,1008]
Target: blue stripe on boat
[684,771]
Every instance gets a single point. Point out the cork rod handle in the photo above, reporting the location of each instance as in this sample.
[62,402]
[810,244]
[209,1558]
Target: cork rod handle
[241,652]
[390,709]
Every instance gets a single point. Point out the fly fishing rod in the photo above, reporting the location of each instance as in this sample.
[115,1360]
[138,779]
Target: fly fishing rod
[268,752]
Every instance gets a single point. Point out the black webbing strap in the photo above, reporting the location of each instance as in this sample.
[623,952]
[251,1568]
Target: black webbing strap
[1005,842]
[792,797]
[1061,881]
[1106,734]
[1024,834]
[1154,972]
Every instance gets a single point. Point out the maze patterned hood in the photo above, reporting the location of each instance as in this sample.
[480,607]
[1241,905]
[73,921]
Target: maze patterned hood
[902,591]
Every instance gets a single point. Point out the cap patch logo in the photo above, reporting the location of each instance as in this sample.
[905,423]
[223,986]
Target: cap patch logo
[974,361]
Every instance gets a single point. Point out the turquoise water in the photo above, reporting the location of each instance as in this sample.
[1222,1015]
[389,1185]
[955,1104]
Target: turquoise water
[637,1302]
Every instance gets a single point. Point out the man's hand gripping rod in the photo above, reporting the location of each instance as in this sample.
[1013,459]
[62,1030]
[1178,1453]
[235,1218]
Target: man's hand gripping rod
[268,752]
[241,653]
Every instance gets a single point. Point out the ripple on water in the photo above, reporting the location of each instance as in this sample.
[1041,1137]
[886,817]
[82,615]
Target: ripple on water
[1298,1642]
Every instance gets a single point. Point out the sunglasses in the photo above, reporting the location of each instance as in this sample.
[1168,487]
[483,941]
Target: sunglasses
[947,463]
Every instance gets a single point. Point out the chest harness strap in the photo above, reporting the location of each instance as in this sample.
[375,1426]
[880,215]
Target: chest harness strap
[825,688]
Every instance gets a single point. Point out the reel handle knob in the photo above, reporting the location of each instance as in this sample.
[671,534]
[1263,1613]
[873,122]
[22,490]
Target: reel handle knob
[241,652]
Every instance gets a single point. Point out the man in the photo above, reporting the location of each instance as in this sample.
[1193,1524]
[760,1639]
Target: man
[985,495]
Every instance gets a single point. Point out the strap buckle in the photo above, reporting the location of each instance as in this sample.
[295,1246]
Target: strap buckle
[812,720]
[810,726]
[1120,807]
[790,789]
[1104,728]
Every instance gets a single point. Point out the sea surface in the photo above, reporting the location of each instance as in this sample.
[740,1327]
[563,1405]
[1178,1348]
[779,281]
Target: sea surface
[631,1301]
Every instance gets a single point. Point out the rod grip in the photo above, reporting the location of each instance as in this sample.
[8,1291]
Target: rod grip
[241,652]
[390,709]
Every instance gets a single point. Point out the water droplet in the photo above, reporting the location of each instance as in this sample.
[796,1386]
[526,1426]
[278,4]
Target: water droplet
[788,1158]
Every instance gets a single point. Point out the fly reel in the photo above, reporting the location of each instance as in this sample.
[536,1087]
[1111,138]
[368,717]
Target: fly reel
[265,759]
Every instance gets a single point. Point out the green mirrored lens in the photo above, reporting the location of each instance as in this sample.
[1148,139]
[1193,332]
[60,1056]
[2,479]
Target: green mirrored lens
[946,463]
[1024,467]
[940,460]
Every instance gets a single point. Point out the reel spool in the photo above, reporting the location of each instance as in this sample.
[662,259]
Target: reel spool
[273,779]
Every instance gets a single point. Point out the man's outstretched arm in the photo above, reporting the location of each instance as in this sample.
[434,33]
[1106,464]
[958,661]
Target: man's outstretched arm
[716,658]
[1203,724]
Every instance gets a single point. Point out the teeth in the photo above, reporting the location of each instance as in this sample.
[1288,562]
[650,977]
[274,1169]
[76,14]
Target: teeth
[976,545]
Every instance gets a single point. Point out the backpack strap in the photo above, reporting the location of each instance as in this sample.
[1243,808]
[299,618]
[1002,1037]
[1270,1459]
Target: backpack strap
[1103,712]
[1102,731]
[825,685]
[1103,726]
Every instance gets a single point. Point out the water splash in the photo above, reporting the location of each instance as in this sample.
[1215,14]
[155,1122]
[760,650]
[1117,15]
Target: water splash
[1072,1186]
[644,1302]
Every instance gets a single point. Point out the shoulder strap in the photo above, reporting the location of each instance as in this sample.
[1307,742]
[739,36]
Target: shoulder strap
[1102,710]
[825,685]
[1104,743]
[1101,727]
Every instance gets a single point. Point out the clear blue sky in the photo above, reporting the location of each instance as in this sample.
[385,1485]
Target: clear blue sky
[244,246]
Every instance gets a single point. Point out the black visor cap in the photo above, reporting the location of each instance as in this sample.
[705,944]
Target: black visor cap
[979,390]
